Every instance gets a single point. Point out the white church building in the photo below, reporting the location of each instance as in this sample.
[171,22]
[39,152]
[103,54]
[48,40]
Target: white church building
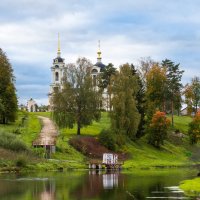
[58,69]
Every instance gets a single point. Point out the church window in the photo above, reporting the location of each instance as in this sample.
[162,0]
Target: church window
[94,71]
[57,76]
[94,80]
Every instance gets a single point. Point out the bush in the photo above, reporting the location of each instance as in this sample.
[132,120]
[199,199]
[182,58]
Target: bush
[21,161]
[39,151]
[10,141]
[194,129]
[157,130]
[108,139]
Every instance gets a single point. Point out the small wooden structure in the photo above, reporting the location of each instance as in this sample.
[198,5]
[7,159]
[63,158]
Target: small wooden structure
[48,145]
[110,161]
[47,137]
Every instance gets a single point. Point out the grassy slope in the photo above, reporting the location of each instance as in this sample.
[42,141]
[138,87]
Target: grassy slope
[142,155]
[181,123]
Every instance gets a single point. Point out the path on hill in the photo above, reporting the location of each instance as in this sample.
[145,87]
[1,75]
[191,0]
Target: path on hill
[48,133]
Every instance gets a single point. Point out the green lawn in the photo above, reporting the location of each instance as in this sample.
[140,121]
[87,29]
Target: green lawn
[143,155]
[181,122]
[31,129]
[93,129]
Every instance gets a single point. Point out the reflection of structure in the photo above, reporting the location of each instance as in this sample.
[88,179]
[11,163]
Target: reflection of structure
[31,106]
[110,181]
[49,191]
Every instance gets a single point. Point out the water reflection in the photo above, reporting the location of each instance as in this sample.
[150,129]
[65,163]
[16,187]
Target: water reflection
[110,180]
[48,192]
[94,185]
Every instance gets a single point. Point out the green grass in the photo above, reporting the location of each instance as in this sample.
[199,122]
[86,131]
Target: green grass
[141,154]
[144,155]
[43,114]
[93,129]
[191,187]
[181,122]
[27,129]
[31,129]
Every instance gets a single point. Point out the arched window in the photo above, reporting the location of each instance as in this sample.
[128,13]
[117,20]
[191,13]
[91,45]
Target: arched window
[94,77]
[57,76]
[94,71]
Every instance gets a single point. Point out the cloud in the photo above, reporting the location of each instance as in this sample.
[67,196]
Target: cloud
[128,30]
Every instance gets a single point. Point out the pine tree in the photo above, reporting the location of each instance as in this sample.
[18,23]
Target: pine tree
[8,98]
[140,99]
[173,86]
[105,81]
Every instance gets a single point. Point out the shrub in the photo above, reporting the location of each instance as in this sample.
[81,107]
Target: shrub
[39,151]
[194,129]
[17,131]
[108,139]
[157,130]
[10,141]
[21,161]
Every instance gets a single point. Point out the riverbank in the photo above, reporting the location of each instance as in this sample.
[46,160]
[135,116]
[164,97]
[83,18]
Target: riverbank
[191,187]
[176,152]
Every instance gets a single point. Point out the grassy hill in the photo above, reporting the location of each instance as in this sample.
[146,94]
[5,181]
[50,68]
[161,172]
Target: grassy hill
[175,152]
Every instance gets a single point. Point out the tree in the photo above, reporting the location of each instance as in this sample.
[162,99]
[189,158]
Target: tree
[194,129]
[78,101]
[140,99]
[158,128]
[192,95]
[105,80]
[173,86]
[125,117]
[145,65]
[155,90]
[8,98]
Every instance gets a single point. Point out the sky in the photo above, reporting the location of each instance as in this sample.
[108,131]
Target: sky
[128,30]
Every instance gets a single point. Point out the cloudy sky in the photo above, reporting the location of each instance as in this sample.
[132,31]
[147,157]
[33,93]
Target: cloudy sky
[128,30]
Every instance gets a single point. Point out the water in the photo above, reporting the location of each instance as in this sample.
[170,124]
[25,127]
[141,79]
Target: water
[92,185]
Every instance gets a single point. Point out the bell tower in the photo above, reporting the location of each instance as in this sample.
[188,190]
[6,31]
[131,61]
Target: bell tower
[57,71]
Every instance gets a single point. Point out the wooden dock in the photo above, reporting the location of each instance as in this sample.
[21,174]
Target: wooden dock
[97,164]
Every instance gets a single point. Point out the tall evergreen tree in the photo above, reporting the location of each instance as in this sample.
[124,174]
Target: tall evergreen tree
[78,101]
[173,86]
[125,117]
[140,99]
[105,81]
[8,98]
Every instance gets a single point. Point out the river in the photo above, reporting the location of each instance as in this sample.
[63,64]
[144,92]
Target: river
[95,185]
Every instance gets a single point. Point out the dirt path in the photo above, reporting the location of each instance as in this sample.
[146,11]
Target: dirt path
[48,133]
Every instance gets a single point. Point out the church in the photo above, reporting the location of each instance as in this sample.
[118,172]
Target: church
[58,70]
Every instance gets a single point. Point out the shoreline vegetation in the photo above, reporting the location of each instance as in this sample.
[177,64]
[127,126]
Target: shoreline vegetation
[176,151]
[191,187]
